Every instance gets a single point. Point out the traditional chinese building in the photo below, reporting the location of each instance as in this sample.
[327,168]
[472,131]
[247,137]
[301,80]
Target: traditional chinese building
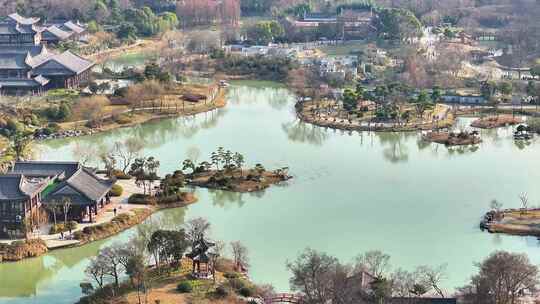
[27,66]
[31,185]
[20,201]
[201,258]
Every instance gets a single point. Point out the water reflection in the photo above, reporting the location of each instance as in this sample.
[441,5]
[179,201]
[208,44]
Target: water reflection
[26,276]
[298,131]
[226,199]
[395,145]
[461,150]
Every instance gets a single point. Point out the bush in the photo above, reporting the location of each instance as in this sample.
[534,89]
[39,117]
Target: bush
[57,228]
[116,190]
[119,174]
[121,218]
[237,284]
[122,120]
[169,199]
[140,199]
[72,225]
[221,292]
[246,292]
[184,287]
[231,275]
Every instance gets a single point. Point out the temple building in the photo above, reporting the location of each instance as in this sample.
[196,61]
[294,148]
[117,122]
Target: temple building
[27,66]
[30,186]
[201,258]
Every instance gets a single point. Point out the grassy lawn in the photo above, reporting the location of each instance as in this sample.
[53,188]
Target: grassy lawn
[343,49]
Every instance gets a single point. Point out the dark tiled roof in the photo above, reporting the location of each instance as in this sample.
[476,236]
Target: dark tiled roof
[57,32]
[75,199]
[74,27]
[34,50]
[18,187]
[14,61]
[89,184]
[199,250]
[19,83]
[73,62]
[45,168]
[8,28]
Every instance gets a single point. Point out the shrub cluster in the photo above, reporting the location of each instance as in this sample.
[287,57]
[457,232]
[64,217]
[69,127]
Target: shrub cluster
[116,190]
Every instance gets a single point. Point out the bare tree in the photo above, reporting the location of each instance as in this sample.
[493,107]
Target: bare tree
[97,270]
[502,278]
[375,263]
[240,255]
[215,255]
[127,152]
[496,205]
[84,153]
[197,228]
[432,276]
[112,257]
[66,205]
[524,203]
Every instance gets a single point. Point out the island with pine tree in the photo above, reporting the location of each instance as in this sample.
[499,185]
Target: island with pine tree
[226,171]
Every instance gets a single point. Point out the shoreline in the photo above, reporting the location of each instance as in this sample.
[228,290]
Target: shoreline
[236,184]
[136,219]
[516,222]
[221,102]
[372,127]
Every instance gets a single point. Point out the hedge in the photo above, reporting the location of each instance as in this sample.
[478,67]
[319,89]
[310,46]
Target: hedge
[116,190]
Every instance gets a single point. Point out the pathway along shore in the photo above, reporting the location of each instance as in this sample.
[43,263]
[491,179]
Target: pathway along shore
[20,250]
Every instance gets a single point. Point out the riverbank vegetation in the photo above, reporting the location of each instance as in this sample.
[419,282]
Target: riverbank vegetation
[225,171]
[20,250]
[62,113]
[261,67]
[462,138]
[360,109]
[172,276]
[498,121]
[118,224]
[321,278]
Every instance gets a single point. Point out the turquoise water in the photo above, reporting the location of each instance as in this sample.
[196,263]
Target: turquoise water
[351,192]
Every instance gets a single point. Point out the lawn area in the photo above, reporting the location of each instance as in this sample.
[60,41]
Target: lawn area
[343,49]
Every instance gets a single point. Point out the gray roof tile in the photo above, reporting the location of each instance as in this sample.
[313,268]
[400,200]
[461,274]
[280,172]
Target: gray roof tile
[45,168]
[73,62]
[18,187]
[74,27]
[58,32]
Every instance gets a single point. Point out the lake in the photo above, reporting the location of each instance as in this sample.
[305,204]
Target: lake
[352,192]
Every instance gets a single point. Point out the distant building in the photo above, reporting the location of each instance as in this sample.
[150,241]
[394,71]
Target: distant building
[31,185]
[350,23]
[357,24]
[464,99]
[27,66]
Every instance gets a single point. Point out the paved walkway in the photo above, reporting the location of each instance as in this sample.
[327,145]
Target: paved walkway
[106,215]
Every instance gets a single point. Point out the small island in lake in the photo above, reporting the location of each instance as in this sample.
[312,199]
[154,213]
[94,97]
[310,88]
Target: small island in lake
[524,221]
[453,139]
[225,171]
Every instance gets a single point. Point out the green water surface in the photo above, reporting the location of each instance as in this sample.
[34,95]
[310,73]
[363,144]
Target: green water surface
[351,192]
